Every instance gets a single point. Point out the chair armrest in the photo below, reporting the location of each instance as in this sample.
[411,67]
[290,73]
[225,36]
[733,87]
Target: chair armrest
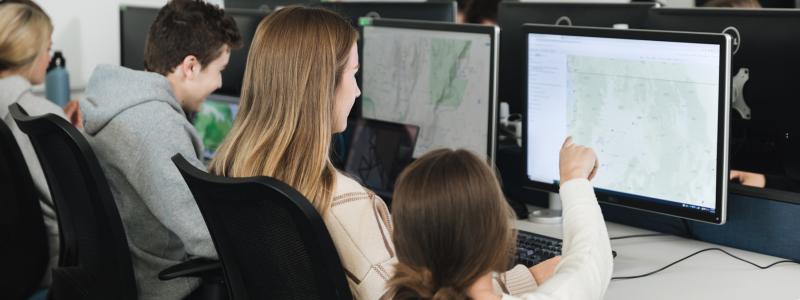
[198,267]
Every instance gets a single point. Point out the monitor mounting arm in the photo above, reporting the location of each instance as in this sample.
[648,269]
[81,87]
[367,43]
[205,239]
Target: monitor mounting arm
[737,96]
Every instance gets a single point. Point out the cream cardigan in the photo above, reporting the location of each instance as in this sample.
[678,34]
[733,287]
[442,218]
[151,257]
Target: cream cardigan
[361,228]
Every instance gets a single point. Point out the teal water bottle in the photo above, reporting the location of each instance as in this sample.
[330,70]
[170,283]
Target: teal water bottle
[56,82]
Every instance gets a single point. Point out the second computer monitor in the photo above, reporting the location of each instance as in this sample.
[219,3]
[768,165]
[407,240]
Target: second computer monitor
[438,76]
[653,106]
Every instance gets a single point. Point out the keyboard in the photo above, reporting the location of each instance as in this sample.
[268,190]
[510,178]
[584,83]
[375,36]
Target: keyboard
[534,248]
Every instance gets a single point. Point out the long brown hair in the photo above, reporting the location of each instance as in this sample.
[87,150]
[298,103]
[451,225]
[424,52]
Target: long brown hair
[451,226]
[285,121]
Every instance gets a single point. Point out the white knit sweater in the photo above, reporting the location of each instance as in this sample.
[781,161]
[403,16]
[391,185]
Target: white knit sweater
[586,262]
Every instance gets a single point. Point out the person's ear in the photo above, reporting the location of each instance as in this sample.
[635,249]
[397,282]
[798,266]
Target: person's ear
[190,67]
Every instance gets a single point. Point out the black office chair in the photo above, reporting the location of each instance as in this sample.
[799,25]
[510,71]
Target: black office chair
[22,232]
[94,261]
[271,241]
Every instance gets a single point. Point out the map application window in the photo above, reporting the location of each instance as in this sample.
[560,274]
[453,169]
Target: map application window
[437,80]
[649,109]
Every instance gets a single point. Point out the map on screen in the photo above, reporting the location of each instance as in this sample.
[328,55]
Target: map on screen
[648,110]
[437,80]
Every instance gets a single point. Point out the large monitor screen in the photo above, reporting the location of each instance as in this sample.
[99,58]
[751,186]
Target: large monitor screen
[437,76]
[650,109]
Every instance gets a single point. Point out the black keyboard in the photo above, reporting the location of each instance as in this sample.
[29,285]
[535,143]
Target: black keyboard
[534,248]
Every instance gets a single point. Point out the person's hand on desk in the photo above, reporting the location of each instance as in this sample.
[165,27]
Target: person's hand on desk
[544,270]
[576,161]
[748,178]
[73,112]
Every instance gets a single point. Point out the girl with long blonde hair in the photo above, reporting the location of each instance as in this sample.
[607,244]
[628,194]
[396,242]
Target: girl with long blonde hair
[299,86]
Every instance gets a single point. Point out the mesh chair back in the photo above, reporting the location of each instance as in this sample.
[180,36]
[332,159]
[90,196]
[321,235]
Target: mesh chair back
[271,241]
[22,231]
[94,259]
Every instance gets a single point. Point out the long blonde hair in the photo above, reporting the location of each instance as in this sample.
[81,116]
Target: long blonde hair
[284,125]
[24,33]
[452,225]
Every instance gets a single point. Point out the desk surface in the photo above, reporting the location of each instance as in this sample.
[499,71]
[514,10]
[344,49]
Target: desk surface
[709,275]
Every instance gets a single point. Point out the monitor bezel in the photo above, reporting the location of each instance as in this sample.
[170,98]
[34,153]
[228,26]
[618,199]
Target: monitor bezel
[615,198]
[491,30]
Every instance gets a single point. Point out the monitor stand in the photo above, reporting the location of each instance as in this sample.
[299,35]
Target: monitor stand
[551,215]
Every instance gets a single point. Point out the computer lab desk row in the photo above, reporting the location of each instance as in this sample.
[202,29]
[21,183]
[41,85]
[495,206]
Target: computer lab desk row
[708,275]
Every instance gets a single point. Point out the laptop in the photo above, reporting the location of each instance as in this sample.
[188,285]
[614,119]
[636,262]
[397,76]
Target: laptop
[378,152]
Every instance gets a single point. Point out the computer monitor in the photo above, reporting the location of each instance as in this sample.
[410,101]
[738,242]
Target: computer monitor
[426,11]
[511,16]
[247,21]
[438,76]
[653,105]
[135,24]
[766,57]
[214,121]
[378,152]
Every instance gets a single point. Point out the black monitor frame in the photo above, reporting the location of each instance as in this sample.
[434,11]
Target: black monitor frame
[233,75]
[492,31]
[137,62]
[626,200]
[766,44]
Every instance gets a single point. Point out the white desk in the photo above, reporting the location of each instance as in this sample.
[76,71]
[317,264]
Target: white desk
[709,275]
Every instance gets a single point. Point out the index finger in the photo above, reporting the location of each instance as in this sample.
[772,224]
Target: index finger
[567,142]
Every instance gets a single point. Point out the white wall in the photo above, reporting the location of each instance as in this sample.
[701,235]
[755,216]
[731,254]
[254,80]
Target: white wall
[87,31]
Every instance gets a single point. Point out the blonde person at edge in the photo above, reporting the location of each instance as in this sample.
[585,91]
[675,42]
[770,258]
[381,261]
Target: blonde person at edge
[453,231]
[24,55]
[299,86]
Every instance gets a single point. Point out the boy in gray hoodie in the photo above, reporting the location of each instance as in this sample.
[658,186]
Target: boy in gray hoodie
[136,121]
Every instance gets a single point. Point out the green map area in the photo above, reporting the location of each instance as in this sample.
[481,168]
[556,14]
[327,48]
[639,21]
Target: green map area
[213,122]
[447,56]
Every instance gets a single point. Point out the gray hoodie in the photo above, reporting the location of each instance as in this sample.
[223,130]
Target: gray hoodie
[135,125]
[15,89]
